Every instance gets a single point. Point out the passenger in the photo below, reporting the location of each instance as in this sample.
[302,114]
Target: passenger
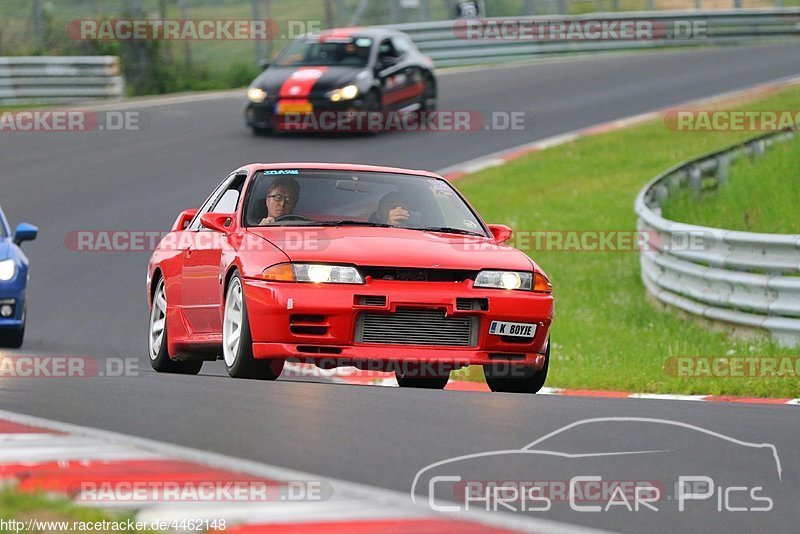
[392,209]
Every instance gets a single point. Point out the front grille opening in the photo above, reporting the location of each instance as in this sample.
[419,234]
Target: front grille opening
[417,275]
[370,300]
[307,325]
[465,304]
[416,327]
[306,319]
[506,356]
[316,349]
[515,339]
[309,330]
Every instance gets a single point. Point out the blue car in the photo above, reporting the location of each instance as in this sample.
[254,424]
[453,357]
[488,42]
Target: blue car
[13,281]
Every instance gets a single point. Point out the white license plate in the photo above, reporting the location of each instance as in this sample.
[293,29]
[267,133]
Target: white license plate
[503,328]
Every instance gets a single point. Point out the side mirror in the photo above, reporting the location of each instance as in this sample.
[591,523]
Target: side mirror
[221,222]
[500,232]
[25,232]
[263,64]
[183,220]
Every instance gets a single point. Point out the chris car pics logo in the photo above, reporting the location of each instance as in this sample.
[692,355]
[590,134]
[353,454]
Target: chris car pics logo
[613,469]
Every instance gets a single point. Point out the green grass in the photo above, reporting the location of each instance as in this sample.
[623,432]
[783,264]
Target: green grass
[761,196]
[607,333]
[21,506]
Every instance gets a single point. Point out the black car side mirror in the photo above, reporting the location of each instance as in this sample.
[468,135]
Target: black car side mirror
[263,64]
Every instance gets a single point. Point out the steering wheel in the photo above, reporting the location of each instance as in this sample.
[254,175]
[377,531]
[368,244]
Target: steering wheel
[291,217]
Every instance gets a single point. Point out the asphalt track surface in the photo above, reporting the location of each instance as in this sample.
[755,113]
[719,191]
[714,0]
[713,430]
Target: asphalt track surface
[92,303]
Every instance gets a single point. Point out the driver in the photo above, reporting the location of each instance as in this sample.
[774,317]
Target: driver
[282,196]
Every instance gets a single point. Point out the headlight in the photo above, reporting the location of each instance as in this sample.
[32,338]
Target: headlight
[504,280]
[348,92]
[314,273]
[257,95]
[7,269]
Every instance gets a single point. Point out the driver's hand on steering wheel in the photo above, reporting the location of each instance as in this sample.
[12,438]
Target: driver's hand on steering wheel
[267,220]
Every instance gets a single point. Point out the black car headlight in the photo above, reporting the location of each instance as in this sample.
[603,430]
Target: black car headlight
[348,92]
[256,95]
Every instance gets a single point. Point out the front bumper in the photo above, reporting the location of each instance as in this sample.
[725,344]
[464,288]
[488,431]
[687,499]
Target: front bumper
[13,293]
[264,115]
[314,322]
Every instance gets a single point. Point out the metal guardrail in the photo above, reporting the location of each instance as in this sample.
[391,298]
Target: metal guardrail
[740,278]
[58,79]
[445,43]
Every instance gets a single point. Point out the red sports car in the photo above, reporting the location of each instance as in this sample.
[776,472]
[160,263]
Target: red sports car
[375,267]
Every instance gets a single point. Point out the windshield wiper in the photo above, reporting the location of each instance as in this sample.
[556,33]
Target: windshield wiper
[448,230]
[352,223]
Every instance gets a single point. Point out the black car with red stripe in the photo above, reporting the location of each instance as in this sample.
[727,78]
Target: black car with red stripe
[344,71]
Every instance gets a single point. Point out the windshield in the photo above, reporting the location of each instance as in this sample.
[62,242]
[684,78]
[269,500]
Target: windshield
[348,52]
[292,197]
[3,230]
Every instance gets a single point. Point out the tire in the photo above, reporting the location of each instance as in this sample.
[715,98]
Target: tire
[530,382]
[157,339]
[237,341]
[12,339]
[429,95]
[413,379]
[372,104]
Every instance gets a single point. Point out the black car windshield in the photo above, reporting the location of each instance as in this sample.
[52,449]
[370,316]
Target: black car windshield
[295,197]
[326,52]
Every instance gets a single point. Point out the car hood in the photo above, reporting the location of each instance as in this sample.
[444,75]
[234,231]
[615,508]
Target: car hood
[394,247]
[313,80]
